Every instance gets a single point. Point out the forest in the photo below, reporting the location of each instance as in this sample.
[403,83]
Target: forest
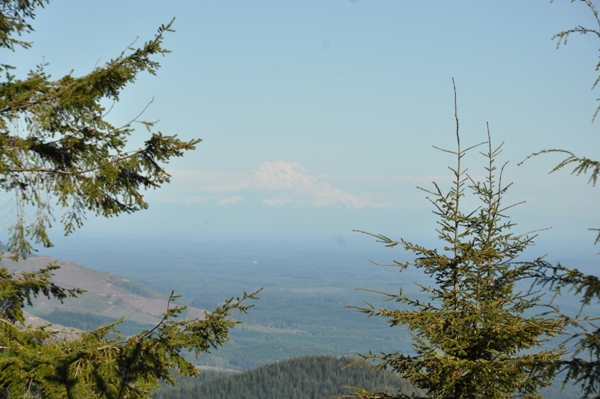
[481,320]
[298,378]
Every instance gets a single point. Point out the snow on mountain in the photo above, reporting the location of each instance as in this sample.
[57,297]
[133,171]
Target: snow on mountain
[296,185]
[281,175]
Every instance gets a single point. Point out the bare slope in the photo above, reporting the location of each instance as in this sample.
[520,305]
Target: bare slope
[108,297]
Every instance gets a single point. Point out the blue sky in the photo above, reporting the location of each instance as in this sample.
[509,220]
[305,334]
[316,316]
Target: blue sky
[319,116]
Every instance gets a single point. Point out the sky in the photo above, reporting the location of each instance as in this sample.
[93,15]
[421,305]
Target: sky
[318,117]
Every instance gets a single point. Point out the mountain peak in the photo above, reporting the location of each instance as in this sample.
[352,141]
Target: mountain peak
[281,175]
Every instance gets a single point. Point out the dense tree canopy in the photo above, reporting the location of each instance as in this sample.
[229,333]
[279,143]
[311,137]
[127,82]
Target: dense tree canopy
[298,378]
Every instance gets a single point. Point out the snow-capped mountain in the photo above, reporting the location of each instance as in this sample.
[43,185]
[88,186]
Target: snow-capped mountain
[274,183]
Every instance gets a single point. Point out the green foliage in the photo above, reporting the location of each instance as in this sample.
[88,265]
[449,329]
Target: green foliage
[581,165]
[563,37]
[56,146]
[17,290]
[300,378]
[13,20]
[477,336]
[42,362]
[583,368]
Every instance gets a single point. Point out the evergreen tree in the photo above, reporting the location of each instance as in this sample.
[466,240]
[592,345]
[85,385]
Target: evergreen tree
[57,146]
[581,165]
[583,368]
[477,335]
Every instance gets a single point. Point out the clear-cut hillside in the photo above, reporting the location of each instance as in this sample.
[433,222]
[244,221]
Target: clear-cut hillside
[108,297]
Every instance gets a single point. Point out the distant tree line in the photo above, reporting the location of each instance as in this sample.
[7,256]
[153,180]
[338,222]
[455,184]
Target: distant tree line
[299,378]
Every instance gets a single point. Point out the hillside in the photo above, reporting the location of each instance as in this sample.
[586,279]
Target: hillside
[306,377]
[108,297]
[307,283]
[301,312]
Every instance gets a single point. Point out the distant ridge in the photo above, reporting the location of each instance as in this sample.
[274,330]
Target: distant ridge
[306,377]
